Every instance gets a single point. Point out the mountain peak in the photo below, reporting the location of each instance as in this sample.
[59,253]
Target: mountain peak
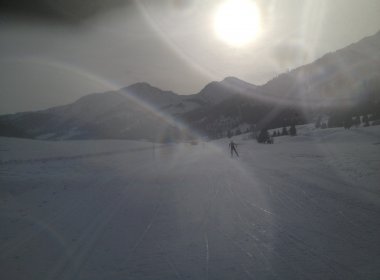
[233,81]
[139,86]
[216,92]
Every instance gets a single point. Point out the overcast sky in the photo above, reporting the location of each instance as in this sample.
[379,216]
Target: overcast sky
[48,60]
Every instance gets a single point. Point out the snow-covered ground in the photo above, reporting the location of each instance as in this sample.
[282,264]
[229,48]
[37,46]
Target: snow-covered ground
[307,207]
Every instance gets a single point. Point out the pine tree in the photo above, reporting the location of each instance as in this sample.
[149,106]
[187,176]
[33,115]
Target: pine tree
[263,136]
[318,122]
[348,122]
[365,120]
[253,131]
[357,121]
[293,130]
[284,131]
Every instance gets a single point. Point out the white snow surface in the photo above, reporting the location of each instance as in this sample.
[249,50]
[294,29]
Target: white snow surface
[306,207]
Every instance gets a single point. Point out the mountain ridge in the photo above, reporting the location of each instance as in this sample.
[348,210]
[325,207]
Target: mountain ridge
[342,79]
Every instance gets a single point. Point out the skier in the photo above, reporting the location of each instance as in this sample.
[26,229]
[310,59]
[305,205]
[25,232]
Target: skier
[233,146]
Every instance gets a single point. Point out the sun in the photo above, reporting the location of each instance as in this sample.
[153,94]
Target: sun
[237,22]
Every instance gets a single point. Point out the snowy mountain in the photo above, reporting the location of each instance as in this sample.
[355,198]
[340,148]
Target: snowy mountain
[338,84]
[342,84]
[217,92]
[171,103]
[139,111]
[336,78]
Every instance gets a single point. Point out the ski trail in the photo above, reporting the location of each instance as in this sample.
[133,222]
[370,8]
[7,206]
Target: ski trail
[147,228]
[257,241]
[247,272]
[246,204]
[29,234]
[140,241]
[73,157]
[236,244]
[207,255]
[290,199]
[348,219]
[261,209]
[71,265]
[171,264]
[176,272]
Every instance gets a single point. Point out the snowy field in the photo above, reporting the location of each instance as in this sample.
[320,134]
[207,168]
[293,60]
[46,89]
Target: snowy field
[307,207]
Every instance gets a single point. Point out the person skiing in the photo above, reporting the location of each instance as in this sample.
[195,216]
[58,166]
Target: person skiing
[233,146]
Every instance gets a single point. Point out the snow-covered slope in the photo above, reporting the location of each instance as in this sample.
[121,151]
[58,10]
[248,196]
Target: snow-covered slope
[306,207]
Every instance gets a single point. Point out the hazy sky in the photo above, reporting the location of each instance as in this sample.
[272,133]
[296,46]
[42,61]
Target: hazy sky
[172,44]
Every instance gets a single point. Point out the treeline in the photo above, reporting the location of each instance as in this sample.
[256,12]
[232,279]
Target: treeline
[365,110]
[224,119]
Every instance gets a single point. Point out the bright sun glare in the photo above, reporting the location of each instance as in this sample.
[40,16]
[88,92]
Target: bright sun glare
[237,22]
